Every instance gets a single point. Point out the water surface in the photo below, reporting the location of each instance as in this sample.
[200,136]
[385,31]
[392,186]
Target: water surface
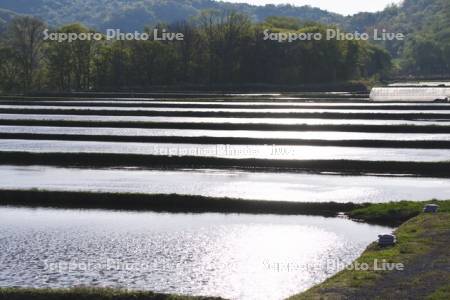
[227,183]
[232,256]
[243,121]
[278,152]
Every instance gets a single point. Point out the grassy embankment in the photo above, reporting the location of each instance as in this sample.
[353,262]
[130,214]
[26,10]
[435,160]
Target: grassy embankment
[88,294]
[422,248]
[394,211]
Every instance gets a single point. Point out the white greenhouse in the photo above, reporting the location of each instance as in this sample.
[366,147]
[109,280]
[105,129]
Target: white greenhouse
[411,94]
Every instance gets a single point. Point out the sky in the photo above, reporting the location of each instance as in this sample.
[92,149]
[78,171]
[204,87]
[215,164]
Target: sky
[345,7]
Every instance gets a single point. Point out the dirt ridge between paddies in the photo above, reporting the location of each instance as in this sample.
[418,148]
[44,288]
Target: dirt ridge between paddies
[224,114]
[232,126]
[392,213]
[211,140]
[286,104]
[439,169]
[89,294]
[174,203]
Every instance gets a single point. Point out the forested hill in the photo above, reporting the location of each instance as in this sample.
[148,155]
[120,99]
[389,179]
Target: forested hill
[135,14]
[421,20]
[426,23]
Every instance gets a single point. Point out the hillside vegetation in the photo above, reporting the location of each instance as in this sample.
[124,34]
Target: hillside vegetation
[5,17]
[134,15]
[426,23]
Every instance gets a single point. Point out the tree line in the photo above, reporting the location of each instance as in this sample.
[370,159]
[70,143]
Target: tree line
[219,48]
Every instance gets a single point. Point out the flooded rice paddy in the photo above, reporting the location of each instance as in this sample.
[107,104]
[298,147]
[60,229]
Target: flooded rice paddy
[235,256]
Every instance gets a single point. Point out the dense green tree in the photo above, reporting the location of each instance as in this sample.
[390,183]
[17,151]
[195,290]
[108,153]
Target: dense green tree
[25,37]
[69,63]
[10,73]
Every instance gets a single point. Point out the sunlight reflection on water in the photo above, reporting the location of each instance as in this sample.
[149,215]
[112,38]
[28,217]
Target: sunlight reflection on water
[232,256]
[223,183]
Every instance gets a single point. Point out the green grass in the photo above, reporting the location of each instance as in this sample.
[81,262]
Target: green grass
[87,294]
[442,293]
[394,213]
[422,247]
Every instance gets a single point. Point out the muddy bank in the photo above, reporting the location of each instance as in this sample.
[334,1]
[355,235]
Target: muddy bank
[167,203]
[425,144]
[234,126]
[349,167]
[220,114]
